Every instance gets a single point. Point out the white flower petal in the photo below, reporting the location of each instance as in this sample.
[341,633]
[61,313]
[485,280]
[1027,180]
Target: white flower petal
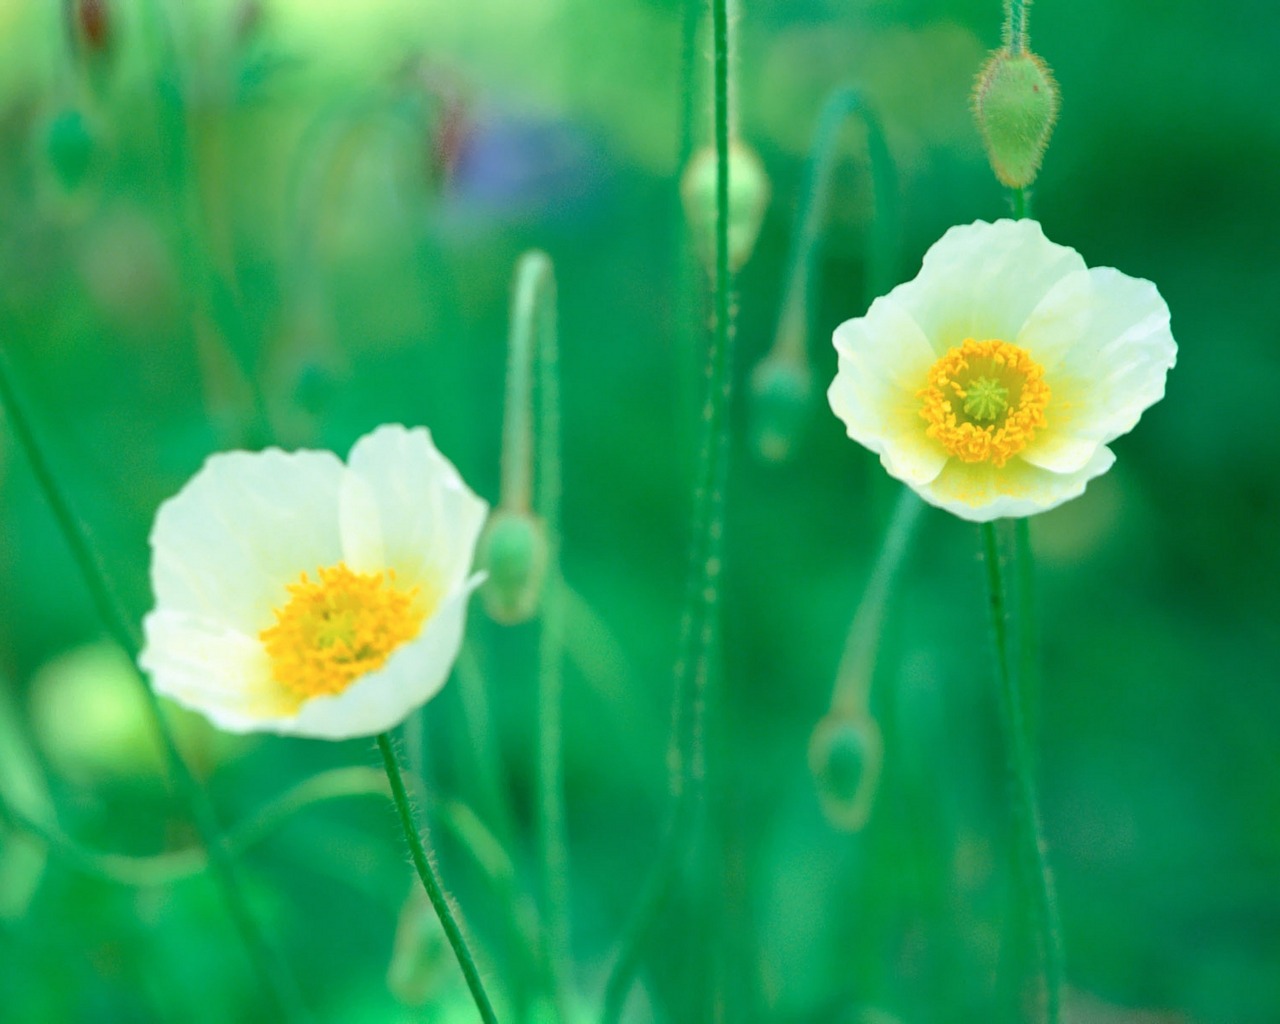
[214,669]
[1104,340]
[404,506]
[979,492]
[412,675]
[883,362]
[982,281]
[247,524]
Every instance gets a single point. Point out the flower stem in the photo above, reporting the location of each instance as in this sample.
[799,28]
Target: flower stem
[1015,25]
[1034,883]
[699,628]
[533,352]
[271,968]
[426,872]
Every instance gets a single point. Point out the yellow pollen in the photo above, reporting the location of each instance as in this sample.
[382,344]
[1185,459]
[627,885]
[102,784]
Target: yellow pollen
[984,401]
[335,630]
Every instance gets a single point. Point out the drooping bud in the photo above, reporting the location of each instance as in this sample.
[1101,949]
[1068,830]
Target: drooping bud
[70,146]
[748,198]
[781,392]
[421,964]
[513,549]
[845,755]
[1015,102]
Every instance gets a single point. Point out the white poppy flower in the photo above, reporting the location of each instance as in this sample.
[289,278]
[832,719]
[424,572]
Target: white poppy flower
[992,383]
[295,594]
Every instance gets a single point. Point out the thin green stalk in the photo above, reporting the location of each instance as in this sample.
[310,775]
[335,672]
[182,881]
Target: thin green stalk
[699,629]
[1035,894]
[271,968]
[1015,25]
[430,883]
[793,324]
[851,697]
[1021,199]
[533,351]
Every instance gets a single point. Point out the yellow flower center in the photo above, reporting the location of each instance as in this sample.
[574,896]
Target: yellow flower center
[984,401]
[334,630]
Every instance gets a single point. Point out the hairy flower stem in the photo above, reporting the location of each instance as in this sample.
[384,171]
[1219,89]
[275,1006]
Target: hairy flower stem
[272,970]
[699,630]
[1015,25]
[1035,894]
[430,883]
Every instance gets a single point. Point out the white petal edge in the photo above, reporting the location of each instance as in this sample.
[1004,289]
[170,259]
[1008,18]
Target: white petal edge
[208,667]
[1104,339]
[246,525]
[983,281]
[404,506]
[382,700]
[979,492]
[884,360]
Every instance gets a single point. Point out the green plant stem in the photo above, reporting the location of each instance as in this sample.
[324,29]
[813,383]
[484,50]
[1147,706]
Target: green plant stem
[851,696]
[1015,26]
[699,628]
[533,350]
[1021,199]
[1034,882]
[430,883]
[271,968]
[790,339]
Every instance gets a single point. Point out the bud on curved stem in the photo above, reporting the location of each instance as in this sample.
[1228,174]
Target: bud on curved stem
[781,385]
[1015,102]
[523,558]
[845,749]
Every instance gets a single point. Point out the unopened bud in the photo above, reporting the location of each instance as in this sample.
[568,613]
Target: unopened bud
[420,961]
[514,551]
[1015,102]
[748,198]
[781,389]
[70,147]
[845,756]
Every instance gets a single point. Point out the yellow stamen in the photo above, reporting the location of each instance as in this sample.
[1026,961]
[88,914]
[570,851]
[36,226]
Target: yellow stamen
[984,401]
[345,625]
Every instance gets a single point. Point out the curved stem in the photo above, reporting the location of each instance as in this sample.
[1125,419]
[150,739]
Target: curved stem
[851,696]
[271,968]
[534,334]
[790,340]
[426,872]
[1034,882]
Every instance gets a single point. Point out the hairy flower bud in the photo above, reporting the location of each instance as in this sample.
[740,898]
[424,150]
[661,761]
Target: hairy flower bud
[514,551]
[845,755]
[1015,102]
[748,198]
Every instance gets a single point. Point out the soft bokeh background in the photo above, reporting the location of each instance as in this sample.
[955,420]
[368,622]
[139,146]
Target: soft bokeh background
[335,194]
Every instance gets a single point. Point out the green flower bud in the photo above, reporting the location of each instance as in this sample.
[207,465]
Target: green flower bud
[780,405]
[70,146]
[1015,102]
[421,963]
[845,756]
[514,551]
[748,198]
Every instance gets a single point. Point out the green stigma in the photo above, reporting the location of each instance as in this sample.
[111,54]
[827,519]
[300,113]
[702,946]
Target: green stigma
[985,399]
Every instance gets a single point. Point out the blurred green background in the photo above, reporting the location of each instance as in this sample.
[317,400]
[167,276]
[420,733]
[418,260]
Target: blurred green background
[333,195]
